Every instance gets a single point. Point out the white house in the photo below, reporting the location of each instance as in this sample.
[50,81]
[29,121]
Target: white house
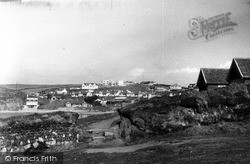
[129,83]
[175,87]
[89,94]
[32,101]
[102,102]
[121,83]
[89,86]
[113,83]
[68,104]
[105,82]
[64,91]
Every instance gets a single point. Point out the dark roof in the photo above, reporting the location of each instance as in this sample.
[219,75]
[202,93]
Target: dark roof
[131,98]
[243,66]
[162,85]
[80,101]
[215,76]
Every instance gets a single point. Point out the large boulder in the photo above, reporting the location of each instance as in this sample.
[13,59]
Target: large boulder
[170,114]
[155,120]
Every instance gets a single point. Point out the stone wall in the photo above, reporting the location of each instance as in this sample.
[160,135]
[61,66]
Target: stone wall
[39,131]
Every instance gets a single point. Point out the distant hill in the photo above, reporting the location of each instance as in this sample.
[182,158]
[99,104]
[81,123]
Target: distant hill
[6,93]
[26,88]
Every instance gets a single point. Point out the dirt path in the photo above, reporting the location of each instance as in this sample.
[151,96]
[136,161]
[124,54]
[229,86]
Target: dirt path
[124,149]
[133,148]
[105,124]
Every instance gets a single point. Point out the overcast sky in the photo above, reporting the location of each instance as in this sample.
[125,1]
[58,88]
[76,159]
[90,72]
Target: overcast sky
[76,41]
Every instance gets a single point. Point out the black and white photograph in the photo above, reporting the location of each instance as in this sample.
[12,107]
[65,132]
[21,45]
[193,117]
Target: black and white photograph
[124,81]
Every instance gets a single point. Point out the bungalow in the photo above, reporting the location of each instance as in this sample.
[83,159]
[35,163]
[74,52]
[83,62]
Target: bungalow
[129,83]
[105,82]
[32,101]
[161,87]
[64,91]
[113,83]
[101,94]
[239,71]
[175,87]
[102,102]
[68,104]
[131,100]
[90,86]
[121,83]
[210,78]
[114,101]
[89,94]
[76,103]
[130,93]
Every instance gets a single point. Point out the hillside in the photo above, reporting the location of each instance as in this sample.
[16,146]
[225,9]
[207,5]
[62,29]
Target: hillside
[192,109]
[6,93]
[11,99]
[27,88]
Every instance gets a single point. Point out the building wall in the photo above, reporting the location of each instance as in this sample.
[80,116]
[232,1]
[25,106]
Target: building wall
[35,103]
[201,82]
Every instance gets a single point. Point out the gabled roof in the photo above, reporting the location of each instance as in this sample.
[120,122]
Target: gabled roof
[86,84]
[214,75]
[243,64]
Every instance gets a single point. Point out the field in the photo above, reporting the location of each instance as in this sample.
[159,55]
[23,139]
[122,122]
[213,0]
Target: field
[26,88]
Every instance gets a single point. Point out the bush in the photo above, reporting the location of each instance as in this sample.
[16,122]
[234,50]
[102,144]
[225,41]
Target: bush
[220,96]
[236,87]
[242,97]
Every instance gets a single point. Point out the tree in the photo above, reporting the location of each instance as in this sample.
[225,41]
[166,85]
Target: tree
[49,96]
[90,100]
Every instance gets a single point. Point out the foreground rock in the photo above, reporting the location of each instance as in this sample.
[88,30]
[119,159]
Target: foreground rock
[11,100]
[170,114]
[34,133]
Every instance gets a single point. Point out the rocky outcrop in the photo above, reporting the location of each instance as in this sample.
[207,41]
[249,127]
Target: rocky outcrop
[13,104]
[11,99]
[191,108]
[39,131]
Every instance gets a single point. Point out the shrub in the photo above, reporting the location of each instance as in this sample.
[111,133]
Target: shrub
[236,87]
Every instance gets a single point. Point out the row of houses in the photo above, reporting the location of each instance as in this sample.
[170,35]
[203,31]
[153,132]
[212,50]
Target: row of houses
[117,83]
[239,72]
